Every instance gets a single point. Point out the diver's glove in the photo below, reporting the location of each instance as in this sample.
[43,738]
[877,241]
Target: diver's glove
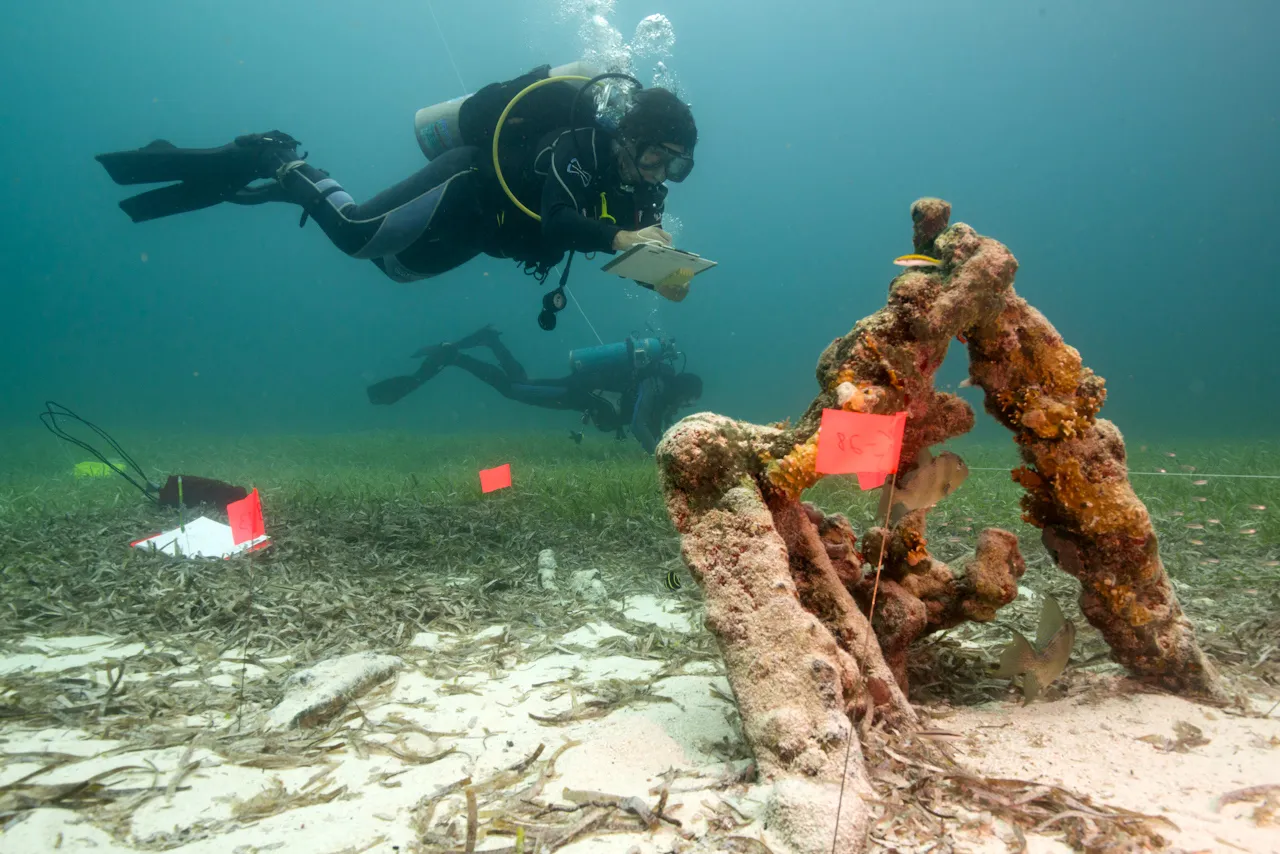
[276,149]
[271,191]
[278,154]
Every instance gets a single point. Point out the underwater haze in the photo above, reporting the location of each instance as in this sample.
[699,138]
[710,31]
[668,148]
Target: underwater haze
[1125,152]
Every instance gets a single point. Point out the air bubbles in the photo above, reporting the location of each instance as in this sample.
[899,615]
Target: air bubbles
[664,77]
[673,225]
[603,45]
[654,37]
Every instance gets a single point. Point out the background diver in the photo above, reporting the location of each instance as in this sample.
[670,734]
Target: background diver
[638,370]
[586,188]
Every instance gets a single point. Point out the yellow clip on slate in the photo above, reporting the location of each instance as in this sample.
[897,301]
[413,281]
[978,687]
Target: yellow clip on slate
[675,286]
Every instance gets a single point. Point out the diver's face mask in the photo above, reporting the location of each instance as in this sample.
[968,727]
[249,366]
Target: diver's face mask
[663,161]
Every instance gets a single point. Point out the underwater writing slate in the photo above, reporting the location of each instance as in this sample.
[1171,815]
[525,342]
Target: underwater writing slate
[654,263]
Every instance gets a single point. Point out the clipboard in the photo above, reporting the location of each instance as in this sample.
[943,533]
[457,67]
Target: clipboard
[655,263]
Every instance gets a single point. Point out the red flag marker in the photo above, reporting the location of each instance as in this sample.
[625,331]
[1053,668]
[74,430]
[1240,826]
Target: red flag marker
[495,478]
[245,517]
[861,444]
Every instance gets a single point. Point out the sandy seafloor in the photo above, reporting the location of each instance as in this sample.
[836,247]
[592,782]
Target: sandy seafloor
[1090,741]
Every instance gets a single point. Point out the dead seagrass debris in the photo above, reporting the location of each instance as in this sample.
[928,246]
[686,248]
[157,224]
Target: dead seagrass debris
[1267,813]
[921,792]
[21,795]
[276,799]
[1186,737]
[743,845]
[513,803]
[506,803]
[610,694]
[633,805]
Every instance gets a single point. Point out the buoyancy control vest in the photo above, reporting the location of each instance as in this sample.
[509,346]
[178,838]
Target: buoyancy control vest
[518,113]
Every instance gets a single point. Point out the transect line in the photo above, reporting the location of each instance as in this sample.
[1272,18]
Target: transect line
[584,314]
[445,42]
[1195,474]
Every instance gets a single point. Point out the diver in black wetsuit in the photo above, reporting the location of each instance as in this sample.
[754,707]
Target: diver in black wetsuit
[581,188]
[649,389]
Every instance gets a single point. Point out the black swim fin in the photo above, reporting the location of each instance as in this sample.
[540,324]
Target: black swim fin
[390,390]
[174,199]
[207,176]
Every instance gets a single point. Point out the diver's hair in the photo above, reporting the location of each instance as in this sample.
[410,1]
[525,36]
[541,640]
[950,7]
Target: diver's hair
[685,387]
[657,116]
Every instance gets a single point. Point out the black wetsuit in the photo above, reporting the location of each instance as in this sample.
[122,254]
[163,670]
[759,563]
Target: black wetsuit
[453,209]
[642,403]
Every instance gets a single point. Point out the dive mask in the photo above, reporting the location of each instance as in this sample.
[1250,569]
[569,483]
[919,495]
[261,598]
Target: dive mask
[677,165]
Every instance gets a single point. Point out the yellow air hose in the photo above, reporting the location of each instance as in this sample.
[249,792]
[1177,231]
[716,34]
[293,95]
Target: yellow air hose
[497,133]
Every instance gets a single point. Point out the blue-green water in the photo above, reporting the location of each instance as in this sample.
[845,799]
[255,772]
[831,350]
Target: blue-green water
[1126,153]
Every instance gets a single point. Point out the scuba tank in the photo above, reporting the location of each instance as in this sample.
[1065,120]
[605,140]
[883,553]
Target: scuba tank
[633,354]
[438,128]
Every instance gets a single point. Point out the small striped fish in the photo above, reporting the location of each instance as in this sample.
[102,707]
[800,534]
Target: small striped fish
[916,261]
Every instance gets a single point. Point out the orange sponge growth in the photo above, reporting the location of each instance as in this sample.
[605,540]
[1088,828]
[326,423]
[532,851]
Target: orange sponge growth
[917,545]
[797,471]
[1094,502]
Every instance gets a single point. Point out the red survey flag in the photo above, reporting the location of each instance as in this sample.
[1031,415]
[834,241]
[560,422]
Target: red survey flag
[495,478]
[861,444]
[245,517]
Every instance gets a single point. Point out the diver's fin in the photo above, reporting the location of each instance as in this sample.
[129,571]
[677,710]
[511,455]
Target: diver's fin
[390,390]
[481,337]
[426,350]
[154,162]
[207,175]
[174,199]
[434,357]
[234,164]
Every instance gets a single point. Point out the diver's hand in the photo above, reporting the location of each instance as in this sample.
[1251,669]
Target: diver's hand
[651,234]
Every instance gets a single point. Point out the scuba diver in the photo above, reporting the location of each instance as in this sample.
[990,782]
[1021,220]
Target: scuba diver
[638,370]
[516,171]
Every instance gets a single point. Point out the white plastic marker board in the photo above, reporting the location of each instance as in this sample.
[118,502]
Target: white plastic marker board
[652,263]
[201,537]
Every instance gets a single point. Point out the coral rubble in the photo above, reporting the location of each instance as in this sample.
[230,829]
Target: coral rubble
[788,588]
[1078,493]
